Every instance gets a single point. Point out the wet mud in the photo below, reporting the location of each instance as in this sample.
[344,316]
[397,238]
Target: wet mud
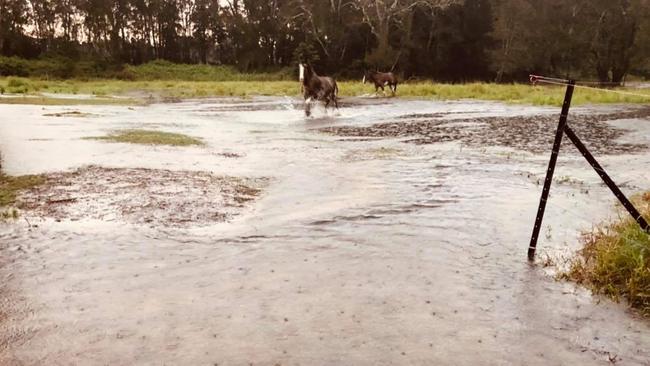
[159,198]
[68,114]
[311,241]
[528,133]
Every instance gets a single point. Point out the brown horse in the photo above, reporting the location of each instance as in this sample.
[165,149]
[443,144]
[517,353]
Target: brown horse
[320,88]
[381,79]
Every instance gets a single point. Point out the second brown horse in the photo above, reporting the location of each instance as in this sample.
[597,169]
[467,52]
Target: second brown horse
[381,80]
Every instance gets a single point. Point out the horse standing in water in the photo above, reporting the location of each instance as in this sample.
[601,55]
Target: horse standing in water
[381,79]
[314,87]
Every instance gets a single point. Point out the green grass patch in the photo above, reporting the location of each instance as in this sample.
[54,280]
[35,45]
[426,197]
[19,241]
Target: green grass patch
[8,213]
[158,80]
[148,137]
[615,260]
[10,187]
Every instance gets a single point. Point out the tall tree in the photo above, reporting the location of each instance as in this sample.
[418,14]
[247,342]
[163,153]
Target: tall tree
[511,30]
[44,21]
[207,28]
[383,15]
[13,18]
[615,27]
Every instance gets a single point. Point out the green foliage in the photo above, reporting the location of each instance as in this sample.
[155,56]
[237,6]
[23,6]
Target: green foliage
[165,70]
[305,53]
[19,86]
[58,67]
[62,68]
[615,260]
[147,137]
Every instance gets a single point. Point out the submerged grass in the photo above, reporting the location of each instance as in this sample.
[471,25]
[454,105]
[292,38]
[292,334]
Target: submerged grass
[147,89]
[615,260]
[148,137]
[10,187]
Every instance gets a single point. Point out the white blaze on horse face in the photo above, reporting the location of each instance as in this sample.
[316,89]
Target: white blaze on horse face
[302,72]
[364,79]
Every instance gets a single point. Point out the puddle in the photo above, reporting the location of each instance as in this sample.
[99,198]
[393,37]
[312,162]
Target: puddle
[358,248]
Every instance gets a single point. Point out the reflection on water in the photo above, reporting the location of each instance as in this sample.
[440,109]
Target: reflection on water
[357,252]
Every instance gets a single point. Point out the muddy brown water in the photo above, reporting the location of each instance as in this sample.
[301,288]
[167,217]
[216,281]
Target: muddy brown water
[360,248]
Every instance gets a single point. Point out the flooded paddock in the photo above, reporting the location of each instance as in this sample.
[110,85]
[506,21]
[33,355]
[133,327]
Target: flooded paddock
[390,232]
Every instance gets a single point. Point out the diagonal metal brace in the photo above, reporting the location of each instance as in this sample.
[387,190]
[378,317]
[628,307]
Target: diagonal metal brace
[608,181]
[561,130]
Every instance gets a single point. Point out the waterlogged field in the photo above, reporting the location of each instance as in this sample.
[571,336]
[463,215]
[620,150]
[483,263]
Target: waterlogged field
[391,231]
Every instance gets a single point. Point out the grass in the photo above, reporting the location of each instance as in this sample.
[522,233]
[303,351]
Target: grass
[9,213]
[10,186]
[147,137]
[615,260]
[144,90]
[162,79]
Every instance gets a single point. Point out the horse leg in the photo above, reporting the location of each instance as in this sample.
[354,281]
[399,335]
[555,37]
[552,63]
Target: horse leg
[308,107]
[335,94]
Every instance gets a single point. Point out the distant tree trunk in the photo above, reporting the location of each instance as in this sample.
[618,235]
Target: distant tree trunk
[504,57]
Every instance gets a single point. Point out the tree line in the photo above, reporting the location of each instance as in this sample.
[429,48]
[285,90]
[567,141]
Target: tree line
[447,40]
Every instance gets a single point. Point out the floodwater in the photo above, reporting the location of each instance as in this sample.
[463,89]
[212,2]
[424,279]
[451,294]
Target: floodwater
[391,232]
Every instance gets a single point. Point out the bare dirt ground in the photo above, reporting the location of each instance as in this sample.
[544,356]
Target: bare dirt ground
[390,232]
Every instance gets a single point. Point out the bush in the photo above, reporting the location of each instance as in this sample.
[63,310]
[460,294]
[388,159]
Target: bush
[13,66]
[58,67]
[18,85]
[165,70]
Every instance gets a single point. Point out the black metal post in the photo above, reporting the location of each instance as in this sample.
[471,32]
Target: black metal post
[608,181]
[551,169]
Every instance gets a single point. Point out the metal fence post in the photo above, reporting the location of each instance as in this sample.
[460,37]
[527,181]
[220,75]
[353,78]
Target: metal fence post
[551,169]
